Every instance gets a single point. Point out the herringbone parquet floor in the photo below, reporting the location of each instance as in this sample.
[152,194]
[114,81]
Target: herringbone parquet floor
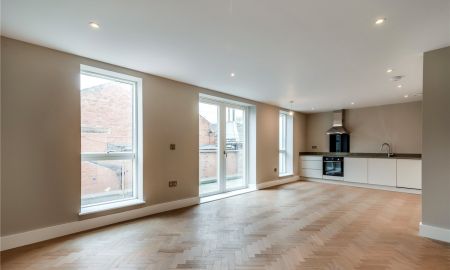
[303,225]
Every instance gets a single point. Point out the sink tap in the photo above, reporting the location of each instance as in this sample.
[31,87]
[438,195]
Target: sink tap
[389,153]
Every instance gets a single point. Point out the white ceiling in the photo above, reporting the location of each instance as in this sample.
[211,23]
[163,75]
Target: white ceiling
[323,54]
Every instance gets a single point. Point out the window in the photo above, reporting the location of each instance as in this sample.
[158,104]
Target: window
[285,144]
[111,154]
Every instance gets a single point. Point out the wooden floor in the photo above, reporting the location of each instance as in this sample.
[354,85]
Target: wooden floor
[303,225]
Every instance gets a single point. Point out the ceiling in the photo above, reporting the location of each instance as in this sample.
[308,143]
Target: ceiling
[322,54]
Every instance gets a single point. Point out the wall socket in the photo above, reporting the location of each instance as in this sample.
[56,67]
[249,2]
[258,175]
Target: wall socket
[275,169]
[314,147]
[172,146]
[173,183]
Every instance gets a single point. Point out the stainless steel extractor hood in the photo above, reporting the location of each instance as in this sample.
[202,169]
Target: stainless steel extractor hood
[338,123]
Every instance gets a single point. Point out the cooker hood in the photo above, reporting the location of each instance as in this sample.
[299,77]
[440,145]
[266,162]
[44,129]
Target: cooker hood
[338,123]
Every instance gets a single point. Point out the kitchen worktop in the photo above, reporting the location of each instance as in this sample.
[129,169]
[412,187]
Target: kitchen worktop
[363,155]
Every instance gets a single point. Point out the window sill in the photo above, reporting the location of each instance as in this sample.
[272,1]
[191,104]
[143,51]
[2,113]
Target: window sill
[286,174]
[109,206]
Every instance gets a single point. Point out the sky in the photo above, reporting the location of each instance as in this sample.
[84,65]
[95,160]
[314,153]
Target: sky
[208,111]
[87,81]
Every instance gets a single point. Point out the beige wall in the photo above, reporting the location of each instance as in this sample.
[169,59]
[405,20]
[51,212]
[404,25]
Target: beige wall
[41,137]
[436,139]
[398,124]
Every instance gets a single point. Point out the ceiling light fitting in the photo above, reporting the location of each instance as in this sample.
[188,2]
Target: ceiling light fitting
[380,21]
[94,25]
[291,112]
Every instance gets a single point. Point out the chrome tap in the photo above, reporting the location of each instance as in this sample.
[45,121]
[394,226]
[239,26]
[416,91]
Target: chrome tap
[389,153]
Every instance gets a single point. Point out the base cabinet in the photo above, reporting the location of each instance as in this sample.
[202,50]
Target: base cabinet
[409,173]
[311,166]
[392,172]
[355,170]
[382,171]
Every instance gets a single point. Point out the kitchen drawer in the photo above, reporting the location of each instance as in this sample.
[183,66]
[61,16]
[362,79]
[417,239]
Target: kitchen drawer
[302,158]
[311,173]
[312,164]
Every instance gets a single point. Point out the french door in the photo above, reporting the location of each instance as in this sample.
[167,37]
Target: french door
[222,147]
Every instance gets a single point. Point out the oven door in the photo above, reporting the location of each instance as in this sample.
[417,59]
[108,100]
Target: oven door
[333,166]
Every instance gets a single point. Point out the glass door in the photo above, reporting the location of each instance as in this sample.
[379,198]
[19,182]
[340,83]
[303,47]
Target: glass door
[235,146]
[222,147]
[209,149]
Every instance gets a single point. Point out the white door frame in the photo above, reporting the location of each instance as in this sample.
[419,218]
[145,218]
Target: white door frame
[222,105]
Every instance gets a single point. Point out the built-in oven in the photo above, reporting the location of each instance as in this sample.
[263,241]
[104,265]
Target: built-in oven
[333,166]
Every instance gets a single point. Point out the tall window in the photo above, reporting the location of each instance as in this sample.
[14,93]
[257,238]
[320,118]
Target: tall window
[111,174]
[285,144]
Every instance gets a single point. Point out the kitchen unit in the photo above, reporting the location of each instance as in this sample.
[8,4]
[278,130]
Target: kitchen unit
[409,173]
[382,171]
[400,171]
[355,170]
[311,166]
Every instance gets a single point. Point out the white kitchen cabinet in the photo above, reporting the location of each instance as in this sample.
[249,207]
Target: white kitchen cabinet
[409,173]
[311,158]
[355,170]
[311,173]
[382,171]
[311,166]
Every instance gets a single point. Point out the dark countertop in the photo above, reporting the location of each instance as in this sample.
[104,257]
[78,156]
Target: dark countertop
[363,155]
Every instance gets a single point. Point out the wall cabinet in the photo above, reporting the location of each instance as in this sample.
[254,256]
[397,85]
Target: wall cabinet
[382,171]
[355,170]
[311,166]
[409,173]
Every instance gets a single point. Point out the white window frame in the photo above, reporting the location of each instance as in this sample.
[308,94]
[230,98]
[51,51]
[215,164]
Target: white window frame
[136,155]
[287,131]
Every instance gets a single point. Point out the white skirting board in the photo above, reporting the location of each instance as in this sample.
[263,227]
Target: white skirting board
[435,233]
[336,182]
[277,182]
[38,235]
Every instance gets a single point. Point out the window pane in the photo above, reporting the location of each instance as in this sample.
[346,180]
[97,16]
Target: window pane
[282,161]
[208,148]
[106,115]
[282,131]
[106,180]
[235,148]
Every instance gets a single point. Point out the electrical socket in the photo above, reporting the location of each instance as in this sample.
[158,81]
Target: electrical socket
[173,183]
[275,169]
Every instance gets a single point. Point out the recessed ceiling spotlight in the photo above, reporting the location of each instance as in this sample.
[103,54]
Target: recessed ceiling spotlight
[94,25]
[399,86]
[389,70]
[353,103]
[312,109]
[406,96]
[232,74]
[380,21]
[397,78]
